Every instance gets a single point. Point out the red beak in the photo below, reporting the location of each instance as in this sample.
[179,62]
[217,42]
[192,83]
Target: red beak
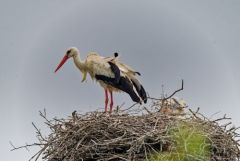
[64,59]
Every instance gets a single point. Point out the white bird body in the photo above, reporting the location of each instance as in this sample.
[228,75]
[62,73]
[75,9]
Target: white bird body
[98,65]
[110,73]
[173,105]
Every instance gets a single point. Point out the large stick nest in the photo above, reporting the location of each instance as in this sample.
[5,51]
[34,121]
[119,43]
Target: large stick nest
[96,136]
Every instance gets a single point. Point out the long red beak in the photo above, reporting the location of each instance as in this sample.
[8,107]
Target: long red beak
[64,59]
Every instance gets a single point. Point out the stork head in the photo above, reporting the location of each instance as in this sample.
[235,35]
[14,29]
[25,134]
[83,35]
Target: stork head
[71,52]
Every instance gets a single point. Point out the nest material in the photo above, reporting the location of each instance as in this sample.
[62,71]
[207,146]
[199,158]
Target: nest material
[96,136]
[138,136]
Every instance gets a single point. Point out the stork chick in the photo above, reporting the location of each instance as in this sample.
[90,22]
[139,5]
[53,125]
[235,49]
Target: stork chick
[173,105]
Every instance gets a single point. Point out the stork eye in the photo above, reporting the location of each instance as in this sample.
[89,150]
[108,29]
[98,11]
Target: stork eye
[68,52]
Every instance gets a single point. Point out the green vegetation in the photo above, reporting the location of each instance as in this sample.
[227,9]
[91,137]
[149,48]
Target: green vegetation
[190,143]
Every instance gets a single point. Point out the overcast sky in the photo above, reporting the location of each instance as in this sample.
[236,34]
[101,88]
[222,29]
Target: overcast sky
[167,40]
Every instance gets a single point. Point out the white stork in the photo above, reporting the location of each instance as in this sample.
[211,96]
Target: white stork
[173,105]
[110,73]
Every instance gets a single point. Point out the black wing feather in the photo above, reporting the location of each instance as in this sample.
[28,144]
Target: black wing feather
[124,84]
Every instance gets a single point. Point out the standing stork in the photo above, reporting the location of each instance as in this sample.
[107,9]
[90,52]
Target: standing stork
[112,75]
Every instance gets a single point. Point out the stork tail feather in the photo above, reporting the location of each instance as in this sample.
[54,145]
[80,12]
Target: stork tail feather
[140,90]
[126,86]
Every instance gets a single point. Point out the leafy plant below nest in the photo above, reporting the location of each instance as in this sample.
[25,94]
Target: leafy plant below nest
[191,143]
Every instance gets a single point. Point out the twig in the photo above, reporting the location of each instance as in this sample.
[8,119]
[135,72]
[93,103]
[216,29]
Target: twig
[129,107]
[25,146]
[175,92]
[165,98]
[38,132]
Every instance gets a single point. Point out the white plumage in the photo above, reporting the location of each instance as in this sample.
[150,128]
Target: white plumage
[96,64]
[109,72]
[173,106]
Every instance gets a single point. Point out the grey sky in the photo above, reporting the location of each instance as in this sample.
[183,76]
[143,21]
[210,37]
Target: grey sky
[166,41]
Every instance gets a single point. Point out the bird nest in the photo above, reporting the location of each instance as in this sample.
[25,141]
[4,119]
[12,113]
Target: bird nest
[128,135]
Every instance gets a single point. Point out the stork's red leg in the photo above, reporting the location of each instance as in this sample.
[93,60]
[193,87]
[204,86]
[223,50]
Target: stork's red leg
[106,100]
[111,103]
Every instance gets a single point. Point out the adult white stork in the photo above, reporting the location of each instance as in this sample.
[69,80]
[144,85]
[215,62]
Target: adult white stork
[112,75]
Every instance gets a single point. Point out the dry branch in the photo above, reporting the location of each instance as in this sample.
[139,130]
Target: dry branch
[170,96]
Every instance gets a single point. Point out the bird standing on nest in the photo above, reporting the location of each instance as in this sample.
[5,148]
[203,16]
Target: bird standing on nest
[111,74]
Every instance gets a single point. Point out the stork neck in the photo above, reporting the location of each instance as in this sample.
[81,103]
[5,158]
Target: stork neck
[78,62]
